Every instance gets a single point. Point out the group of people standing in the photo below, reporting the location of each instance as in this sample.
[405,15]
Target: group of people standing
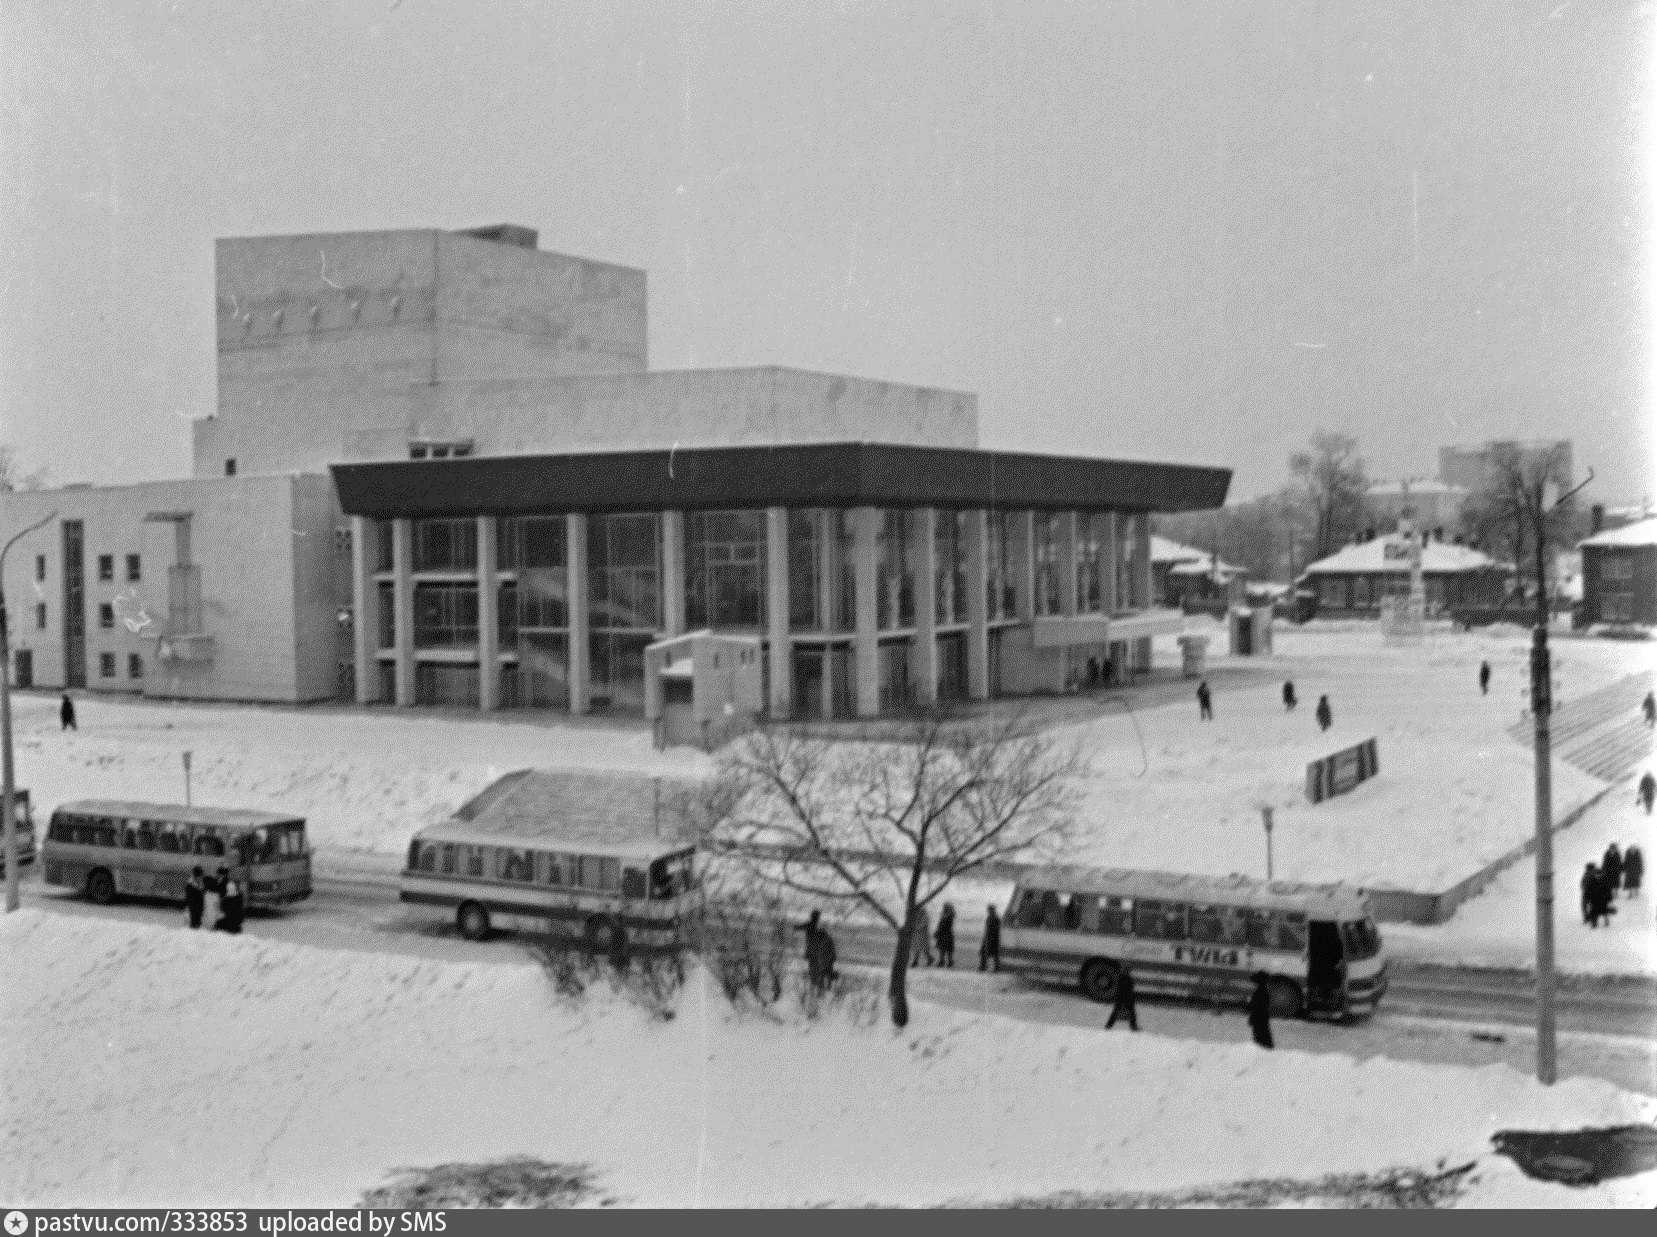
[1259,1006]
[1600,884]
[226,888]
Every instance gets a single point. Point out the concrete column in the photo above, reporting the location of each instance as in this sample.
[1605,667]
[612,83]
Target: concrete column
[402,605]
[866,642]
[1067,563]
[575,527]
[1142,565]
[828,575]
[978,631]
[489,628]
[365,609]
[673,573]
[776,611]
[925,558]
[1022,535]
[1108,584]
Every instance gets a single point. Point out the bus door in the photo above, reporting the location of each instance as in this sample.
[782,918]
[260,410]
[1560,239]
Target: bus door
[1326,972]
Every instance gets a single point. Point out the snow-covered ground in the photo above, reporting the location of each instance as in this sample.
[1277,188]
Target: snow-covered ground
[149,1066]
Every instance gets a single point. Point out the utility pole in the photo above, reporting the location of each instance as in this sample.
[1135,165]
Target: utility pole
[8,782]
[1541,706]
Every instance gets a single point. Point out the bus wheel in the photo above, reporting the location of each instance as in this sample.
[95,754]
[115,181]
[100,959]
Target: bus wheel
[1099,980]
[600,933]
[100,886]
[1285,998]
[473,921]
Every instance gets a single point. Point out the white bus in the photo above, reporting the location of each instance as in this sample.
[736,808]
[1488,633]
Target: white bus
[527,880]
[113,847]
[1196,936]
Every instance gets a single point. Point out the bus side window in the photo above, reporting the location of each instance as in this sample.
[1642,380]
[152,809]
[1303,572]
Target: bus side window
[104,833]
[58,829]
[211,845]
[1147,919]
[413,855]
[1116,916]
[632,883]
[448,859]
[1291,931]
[1258,929]
[167,839]
[609,875]
[552,869]
[1052,912]
[1029,910]
[1205,924]
[1233,927]
[1083,912]
[146,835]
[1173,921]
[474,861]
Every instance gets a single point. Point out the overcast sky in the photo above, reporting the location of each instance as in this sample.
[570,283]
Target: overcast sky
[1192,231]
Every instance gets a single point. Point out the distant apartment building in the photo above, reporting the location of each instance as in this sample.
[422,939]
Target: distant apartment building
[1619,575]
[1470,467]
[1434,506]
[441,473]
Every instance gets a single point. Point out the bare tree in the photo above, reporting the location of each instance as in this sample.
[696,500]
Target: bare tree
[1500,516]
[1330,486]
[12,476]
[887,825]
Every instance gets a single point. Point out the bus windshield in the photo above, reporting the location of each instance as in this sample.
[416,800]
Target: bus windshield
[1361,938]
[275,843]
[671,876]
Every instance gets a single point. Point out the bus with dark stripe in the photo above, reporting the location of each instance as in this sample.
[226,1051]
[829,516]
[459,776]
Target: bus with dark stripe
[531,882]
[1198,937]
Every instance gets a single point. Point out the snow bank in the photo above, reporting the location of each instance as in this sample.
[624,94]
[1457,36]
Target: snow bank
[158,1067]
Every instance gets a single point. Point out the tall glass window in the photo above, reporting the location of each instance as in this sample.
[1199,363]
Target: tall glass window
[445,616]
[445,545]
[534,612]
[894,571]
[1130,592]
[950,564]
[1046,551]
[725,569]
[821,583]
[1092,545]
[382,545]
[624,577]
[1001,599]
[387,615]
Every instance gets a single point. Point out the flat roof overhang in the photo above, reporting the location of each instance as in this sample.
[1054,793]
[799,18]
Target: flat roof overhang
[797,475]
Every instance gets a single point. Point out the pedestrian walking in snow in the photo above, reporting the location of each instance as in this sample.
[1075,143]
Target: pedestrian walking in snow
[819,952]
[195,895]
[1648,790]
[1484,678]
[1326,715]
[1599,900]
[1633,870]
[920,938]
[1648,706]
[1260,1010]
[989,947]
[1289,701]
[1122,1006]
[66,713]
[946,936]
[231,903]
[1205,702]
[1590,878]
[1611,867]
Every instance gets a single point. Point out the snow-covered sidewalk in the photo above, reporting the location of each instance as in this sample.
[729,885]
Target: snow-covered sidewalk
[153,1066]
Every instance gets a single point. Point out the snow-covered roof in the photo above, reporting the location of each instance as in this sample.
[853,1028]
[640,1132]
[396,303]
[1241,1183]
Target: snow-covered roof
[178,813]
[1642,533]
[1437,557]
[1205,567]
[597,811]
[1238,890]
[1415,485]
[1166,550]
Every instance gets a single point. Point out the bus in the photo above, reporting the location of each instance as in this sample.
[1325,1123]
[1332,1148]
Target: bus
[1198,937]
[113,848]
[23,815]
[523,879]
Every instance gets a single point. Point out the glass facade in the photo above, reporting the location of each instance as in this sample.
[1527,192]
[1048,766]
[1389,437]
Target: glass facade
[896,687]
[1046,550]
[725,569]
[446,615]
[949,552]
[436,683]
[444,545]
[386,624]
[534,612]
[1092,548]
[1001,600]
[894,571]
[624,580]
[822,586]
[1130,582]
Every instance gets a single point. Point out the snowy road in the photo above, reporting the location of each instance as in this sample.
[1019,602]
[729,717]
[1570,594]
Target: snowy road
[1443,1015]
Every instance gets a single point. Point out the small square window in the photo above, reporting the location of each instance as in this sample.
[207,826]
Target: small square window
[417,452]
[134,568]
[40,615]
[462,448]
[106,566]
[135,666]
[440,453]
[106,665]
[40,566]
[230,467]
[106,615]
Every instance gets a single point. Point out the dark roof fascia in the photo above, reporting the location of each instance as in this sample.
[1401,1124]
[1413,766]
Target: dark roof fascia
[794,475]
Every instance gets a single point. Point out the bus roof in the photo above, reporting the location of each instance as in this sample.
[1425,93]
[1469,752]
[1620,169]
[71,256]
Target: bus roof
[1234,890]
[644,849]
[178,813]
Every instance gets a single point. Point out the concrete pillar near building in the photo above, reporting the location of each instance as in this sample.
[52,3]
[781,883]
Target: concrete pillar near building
[925,558]
[1142,566]
[1022,535]
[1067,563]
[781,702]
[673,573]
[365,609]
[978,630]
[575,527]
[402,604]
[866,642]
[489,627]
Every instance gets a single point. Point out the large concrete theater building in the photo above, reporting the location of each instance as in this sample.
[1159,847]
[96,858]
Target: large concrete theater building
[441,473]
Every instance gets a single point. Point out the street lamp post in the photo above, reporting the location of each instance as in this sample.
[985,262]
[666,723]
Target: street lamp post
[8,787]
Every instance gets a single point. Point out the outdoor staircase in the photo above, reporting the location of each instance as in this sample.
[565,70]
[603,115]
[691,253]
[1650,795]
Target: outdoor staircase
[1603,733]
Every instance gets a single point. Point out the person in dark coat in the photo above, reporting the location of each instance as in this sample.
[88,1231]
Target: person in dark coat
[1326,715]
[1205,702]
[232,903]
[1590,877]
[66,713]
[1260,1010]
[1633,870]
[989,948]
[819,952]
[1122,1006]
[1648,706]
[1611,868]
[1289,700]
[946,935]
[1599,900]
[195,895]
[1484,678]
[1648,790]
